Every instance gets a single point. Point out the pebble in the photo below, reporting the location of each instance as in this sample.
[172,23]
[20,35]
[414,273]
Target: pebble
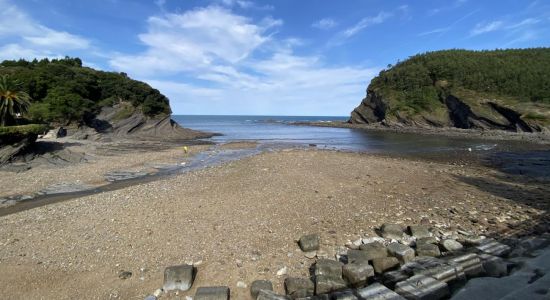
[282,271]
[242,285]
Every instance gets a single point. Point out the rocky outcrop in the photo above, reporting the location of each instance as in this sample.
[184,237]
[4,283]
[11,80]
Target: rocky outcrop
[484,114]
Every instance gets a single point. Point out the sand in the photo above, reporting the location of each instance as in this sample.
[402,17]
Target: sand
[239,221]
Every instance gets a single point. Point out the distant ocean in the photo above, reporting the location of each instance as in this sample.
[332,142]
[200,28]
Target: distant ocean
[276,130]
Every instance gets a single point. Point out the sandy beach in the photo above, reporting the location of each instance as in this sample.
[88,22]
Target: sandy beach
[239,221]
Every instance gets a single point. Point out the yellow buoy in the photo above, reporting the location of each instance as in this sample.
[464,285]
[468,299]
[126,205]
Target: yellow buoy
[185,149]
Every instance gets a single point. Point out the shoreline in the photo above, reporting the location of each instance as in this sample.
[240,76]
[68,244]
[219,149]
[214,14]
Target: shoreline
[536,138]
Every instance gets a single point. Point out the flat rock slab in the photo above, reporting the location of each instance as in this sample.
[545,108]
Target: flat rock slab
[392,231]
[419,231]
[212,293]
[435,268]
[422,288]
[270,295]
[299,287]
[451,245]
[328,267]
[470,263]
[374,250]
[357,273]
[428,250]
[378,292]
[426,240]
[309,242]
[178,278]
[492,247]
[383,264]
[258,285]
[403,253]
[326,284]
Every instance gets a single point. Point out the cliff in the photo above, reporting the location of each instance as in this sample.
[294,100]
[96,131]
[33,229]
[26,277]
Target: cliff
[501,89]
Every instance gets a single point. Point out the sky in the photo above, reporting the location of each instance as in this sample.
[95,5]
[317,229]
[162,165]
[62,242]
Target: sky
[242,57]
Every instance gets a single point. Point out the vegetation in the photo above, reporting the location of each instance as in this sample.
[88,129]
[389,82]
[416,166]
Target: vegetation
[420,83]
[23,129]
[63,91]
[13,100]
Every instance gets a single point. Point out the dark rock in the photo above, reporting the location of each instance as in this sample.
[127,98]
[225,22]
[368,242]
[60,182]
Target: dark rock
[178,277]
[212,293]
[258,285]
[309,242]
[378,292]
[391,278]
[492,247]
[357,273]
[427,250]
[124,274]
[451,245]
[436,268]
[328,267]
[357,255]
[392,231]
[403,253]
[344,295]
[383,264]
[422,287]
[494,266]
[374,250]
[470,263]
[426,240]
[326,284]
[298,287]
[419,231]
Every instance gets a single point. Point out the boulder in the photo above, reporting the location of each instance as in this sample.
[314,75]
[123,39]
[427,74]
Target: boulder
[378,292]
[403,253]
[270,295]
[212,293]
[298,287]
[435,268]
[427,250]
[374,250]
[392,277]
[357,255]
[258,285]
[492,247]
[494,266]
[326,284]
[357,273]
[328,267]
[419,231]
[451,245]
[309,242]
[383,264]
[422,287]
[470,263]
[391,231]
[426,240]
[344,295]
[178,278]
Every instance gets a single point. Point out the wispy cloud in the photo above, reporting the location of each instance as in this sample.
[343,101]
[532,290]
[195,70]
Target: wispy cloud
[454,5]
[324,24]
[482,28]
[245,4]
[442,30]
[29,39]
[435,31]
[366,22]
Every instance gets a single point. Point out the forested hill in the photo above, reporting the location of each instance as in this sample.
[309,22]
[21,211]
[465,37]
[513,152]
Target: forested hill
[63,91]
[500,89]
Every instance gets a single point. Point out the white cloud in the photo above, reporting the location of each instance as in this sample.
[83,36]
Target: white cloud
[435,31]
[326,23]
[31,39]
[221,63]
[245,4]
[482,28]
[366,22]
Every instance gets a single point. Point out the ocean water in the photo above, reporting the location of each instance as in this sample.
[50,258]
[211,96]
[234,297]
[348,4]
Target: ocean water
[276,130]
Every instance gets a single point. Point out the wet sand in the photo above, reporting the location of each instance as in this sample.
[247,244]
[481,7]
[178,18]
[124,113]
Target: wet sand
[239,220]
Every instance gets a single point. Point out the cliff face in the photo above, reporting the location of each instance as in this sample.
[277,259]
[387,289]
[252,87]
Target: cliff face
[503,89]
[485,114]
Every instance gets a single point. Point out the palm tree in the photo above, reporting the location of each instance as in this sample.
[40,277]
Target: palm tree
[13,101]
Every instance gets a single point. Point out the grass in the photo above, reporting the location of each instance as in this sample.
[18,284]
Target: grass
[23,129]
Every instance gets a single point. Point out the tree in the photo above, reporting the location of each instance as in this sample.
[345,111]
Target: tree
[13,100]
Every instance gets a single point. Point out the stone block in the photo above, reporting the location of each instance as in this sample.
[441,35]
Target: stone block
[426,240]
[374,250]
[309,242]
[270,295]
[378,292]
[434,267]
[299,287]
[392,277]
[212,293]
[328,267]
[403,253]
[357,273]
[344,295]
[326,284]
[428,250]
[391,231]
[492,247]
[494,266]
[419,231]
[451,245]
[178,277]
[422,288]
[258,285]
[383,264]
[470,263]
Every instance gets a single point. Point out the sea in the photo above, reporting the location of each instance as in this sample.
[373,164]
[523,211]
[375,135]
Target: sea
[279,130]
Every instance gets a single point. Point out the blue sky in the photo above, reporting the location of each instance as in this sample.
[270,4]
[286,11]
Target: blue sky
[284,57]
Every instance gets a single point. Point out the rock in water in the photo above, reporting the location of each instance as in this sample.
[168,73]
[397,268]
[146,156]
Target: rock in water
[178,278]
[309,242]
